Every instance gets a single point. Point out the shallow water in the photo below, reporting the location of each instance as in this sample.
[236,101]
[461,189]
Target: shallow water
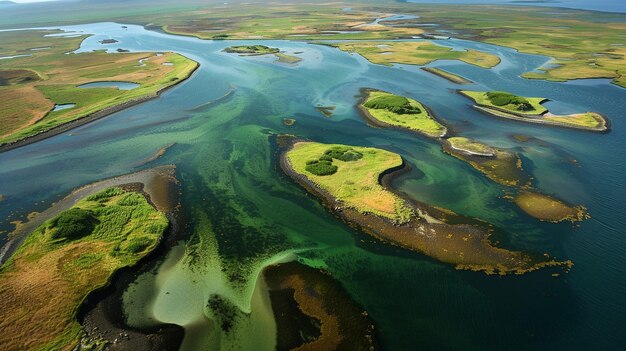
[245,214]
[117,85]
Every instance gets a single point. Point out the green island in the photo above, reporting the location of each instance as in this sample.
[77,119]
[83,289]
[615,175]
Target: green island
[251,50]
[385,109]
[259,50]
[65,259]
[38,83]
[548,209]
[314,312]
[497,164]
[447,75]
[353,190]
[525,109]
[289,121]
[415,53]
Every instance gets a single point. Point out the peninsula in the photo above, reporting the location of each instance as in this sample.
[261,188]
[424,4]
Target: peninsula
[525,109]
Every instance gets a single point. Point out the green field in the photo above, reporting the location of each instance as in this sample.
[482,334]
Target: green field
[398,111]
[66,258]
[33,85]
[415,53]
[354,182]
[509,103]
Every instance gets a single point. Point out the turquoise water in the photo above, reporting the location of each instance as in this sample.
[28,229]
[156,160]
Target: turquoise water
[245,214]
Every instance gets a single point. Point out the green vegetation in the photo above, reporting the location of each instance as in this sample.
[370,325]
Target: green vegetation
[251,50]
[66,258]
[393,110]
[415,53]
[354,182]
[36,83]
[510,106]
[447,75]
[289,121]
[324,164]
[507,101]
[393,103]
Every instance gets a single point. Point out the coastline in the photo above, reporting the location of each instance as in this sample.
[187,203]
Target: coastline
[62,128]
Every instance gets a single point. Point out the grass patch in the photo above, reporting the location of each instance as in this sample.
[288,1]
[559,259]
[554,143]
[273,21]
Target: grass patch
[67,257]
[399,111]
[284,58]
[355,179]
[508,102]
[416,53]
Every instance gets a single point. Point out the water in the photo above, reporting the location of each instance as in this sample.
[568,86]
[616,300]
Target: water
[245,214]
[117,85]
[63,107]
[595,5]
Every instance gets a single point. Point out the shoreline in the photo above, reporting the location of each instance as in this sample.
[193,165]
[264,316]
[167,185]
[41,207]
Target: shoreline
[367,116]
[65,127]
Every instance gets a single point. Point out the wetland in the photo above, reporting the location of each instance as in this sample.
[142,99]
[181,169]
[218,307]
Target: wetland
[256,240]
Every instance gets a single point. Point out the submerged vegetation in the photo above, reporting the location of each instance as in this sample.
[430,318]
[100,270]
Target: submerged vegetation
[548,209]
[68,257]
[386,109]
[314,312]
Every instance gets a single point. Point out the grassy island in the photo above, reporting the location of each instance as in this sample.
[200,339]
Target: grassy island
[507,105]
[259,50]
[548,209]
[386,109]
[65,259]
[250,50]
[36,84]
[352,189]
[416,53]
